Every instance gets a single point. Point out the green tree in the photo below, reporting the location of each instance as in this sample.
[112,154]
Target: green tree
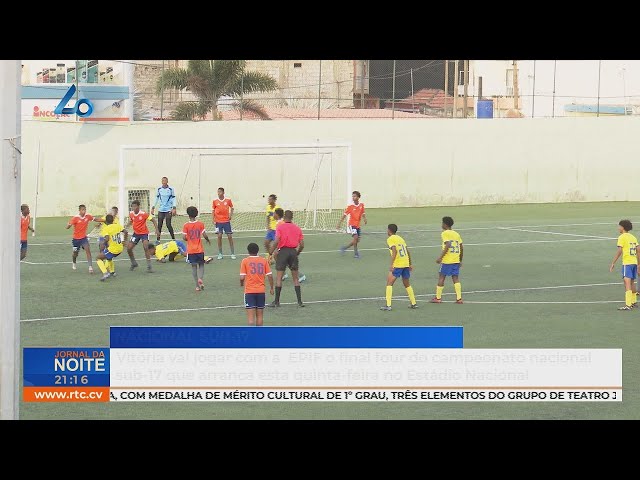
[209,80]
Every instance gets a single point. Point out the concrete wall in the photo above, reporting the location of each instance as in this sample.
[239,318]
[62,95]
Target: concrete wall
[396,163]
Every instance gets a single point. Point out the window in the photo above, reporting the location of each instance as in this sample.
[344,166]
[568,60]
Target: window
[509,78]
[297,65]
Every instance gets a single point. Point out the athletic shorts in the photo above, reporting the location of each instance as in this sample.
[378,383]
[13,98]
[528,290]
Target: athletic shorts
[287,257]
[254,300]
[195,258]
[136,237]
[23,244]
[450,269]
[79,243]
[351,230]
[271,235]
[223,228]
[404,272]
[630,271]
[110,255]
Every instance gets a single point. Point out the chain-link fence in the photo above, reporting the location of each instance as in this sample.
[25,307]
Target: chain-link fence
[391,89]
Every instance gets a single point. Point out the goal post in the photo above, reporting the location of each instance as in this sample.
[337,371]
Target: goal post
[313,180]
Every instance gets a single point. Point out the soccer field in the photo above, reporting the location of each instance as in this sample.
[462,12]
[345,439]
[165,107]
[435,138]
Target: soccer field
[534,276]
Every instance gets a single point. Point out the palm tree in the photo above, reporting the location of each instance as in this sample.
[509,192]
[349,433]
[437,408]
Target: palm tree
[209,80]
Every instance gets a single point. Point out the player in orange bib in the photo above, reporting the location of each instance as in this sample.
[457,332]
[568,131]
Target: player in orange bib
[192,232]
[253,271]
[25,219]
[138,219]
[355,211]
[80,223]
[222,211]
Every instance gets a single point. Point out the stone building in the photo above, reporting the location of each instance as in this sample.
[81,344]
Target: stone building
[298,82]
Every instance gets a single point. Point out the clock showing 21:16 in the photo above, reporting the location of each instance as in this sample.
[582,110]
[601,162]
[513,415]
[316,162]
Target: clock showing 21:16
[71,379]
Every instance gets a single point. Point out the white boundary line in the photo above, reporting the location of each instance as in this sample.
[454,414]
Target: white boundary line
[546,303]
[374,249]
[338,300]
[515,228]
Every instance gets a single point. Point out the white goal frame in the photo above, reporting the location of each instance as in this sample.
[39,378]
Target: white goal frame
[122,201]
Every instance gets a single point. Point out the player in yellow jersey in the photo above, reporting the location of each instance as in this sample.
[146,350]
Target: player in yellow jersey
[116,221]
[271,225]
[172,250]
[450,260]
[114,237]
[400,266]
[629,249]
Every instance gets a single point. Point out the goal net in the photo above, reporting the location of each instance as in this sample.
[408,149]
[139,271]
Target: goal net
[312,180]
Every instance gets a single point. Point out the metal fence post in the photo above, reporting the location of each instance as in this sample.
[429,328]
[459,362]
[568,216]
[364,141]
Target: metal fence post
[533,97]
[553,98]
[599,71]
[393,93]
[319,87]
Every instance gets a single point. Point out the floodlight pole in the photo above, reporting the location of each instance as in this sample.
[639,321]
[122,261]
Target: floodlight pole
[10,98]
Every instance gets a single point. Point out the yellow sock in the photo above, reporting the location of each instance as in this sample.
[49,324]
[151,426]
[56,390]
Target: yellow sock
[112,266]
[628,297]
[412,297]
[101,266]
[439,291]
[389,293]
[458,288]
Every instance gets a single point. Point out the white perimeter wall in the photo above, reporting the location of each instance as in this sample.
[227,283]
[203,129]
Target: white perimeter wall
[396,163]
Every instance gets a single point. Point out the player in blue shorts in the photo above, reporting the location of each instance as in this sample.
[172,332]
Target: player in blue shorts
[116,220]
[400,266]
[25,219]
[169,250]
[450,260]
[271,225]
[114,237]
[80,223]
[629,249]
[253,271]
[222,211]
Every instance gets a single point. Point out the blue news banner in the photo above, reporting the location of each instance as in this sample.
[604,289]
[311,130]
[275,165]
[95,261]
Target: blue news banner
[66,374]
[396,363]
[268,363]
[79,374]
